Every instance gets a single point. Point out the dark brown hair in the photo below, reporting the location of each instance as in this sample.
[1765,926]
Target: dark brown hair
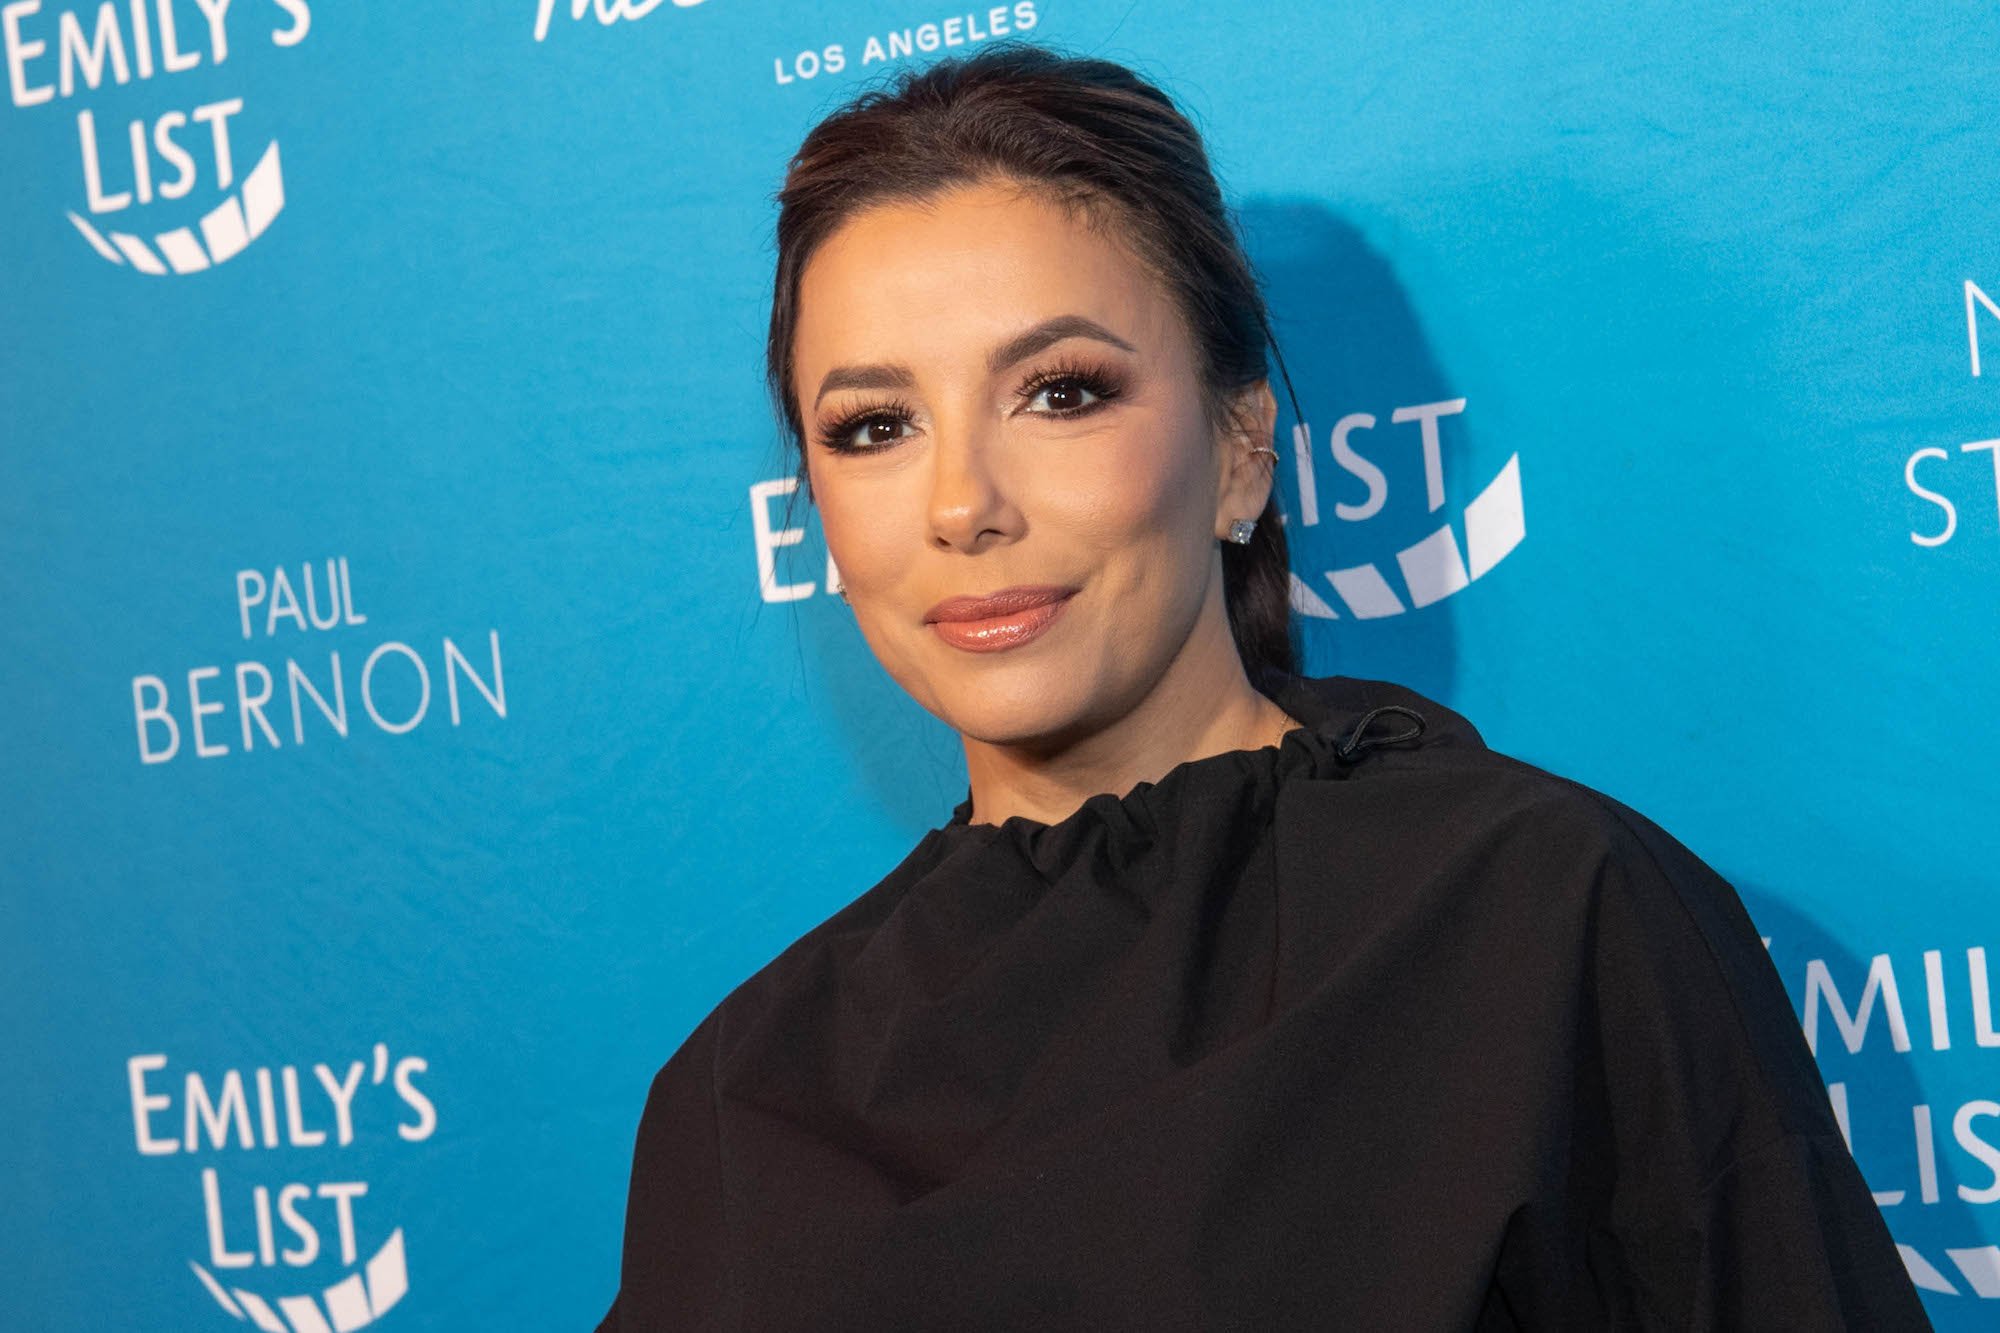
[1102,141]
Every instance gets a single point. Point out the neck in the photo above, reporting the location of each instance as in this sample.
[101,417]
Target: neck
[1203,705]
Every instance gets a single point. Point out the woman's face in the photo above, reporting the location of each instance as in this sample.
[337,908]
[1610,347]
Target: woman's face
[996,396]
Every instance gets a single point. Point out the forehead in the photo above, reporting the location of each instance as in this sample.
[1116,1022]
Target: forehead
[965,268]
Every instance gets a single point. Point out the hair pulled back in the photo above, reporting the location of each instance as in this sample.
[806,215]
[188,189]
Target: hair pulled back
[1099,139]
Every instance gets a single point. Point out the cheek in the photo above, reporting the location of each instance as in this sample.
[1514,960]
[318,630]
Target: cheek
[1139,496]
[865,525]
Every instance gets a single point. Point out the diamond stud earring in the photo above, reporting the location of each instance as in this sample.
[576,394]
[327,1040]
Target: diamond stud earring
[1240,530]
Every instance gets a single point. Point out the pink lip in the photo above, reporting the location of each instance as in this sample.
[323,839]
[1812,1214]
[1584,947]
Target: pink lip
[1005,619]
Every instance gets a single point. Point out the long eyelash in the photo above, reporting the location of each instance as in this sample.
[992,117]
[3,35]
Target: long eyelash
[836,435]
[1101,383]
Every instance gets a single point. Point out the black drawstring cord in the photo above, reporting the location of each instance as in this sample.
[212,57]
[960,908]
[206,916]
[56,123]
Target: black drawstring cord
[1358,741]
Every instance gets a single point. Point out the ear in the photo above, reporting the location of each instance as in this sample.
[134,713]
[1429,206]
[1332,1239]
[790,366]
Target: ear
[1246,477]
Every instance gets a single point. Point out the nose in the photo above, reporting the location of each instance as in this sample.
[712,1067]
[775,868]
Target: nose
[970,507]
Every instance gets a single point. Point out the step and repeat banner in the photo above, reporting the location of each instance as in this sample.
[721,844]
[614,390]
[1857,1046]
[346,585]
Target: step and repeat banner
[422,695]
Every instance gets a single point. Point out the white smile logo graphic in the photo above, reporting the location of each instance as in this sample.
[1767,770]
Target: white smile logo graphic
[274,1226]
[349,1304]
[57,57]
[1430,568]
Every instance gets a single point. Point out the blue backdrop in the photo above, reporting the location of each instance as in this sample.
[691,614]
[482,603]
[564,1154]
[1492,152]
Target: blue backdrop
[419,708]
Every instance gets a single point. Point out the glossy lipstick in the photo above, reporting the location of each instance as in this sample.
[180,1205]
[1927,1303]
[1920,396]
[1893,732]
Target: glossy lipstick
[1005,619]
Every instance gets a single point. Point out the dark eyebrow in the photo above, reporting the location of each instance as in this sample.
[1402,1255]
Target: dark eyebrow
[865,377]
[1016,349]
[1049,331]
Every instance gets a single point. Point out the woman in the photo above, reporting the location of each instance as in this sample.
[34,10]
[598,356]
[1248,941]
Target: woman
[1228,998]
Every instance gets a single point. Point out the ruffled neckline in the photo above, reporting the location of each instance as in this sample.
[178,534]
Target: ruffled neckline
[1230,777]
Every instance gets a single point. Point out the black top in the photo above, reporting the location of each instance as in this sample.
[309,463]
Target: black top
[1361,1030]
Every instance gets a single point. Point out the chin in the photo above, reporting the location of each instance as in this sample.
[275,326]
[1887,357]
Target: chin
[1016,704]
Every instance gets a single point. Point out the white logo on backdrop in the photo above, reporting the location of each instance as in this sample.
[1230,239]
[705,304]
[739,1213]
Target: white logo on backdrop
[1426,571]
[394,684]
[1953,1157]
[767,538]
[962,29]
[271,1109]
[1941,466]
[149,169]
[965,28]
[606,12]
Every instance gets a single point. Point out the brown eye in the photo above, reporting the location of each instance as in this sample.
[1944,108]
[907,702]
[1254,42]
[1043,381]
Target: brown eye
[876,431]
[1069,391]
[864,432]
[1065,395]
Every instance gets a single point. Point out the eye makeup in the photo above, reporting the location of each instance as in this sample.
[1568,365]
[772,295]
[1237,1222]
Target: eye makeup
[1100,383]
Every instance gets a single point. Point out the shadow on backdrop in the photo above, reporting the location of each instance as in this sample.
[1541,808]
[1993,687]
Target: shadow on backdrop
[1354,345]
